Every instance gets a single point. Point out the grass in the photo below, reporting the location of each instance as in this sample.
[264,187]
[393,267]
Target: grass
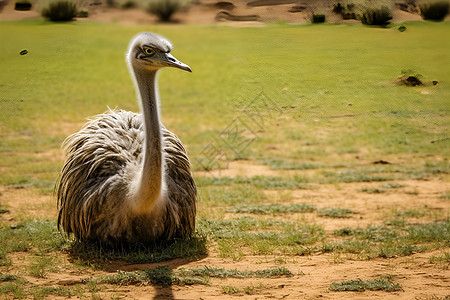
[238,236]
[272,208]
[335,212]
[390,241]
[166,276]
[318,96]
[327,116]
[359,285]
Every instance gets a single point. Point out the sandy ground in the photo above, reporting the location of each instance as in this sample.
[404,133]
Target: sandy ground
[205,12]
[313,274]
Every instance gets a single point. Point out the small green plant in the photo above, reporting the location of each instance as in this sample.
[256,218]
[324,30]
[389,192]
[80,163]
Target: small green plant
[60,11]
[40,265]
[335,212]
[433,10]
[164,9]
[372,190]
[359,285]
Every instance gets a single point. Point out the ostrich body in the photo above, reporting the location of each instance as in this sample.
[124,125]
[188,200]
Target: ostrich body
[126,178]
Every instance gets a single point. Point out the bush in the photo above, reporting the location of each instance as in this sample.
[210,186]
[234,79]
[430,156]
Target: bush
[376,16]
[60,11]
[128,4]
[435,11]
[318,18]
[22,5]
[164,9]
[346,8]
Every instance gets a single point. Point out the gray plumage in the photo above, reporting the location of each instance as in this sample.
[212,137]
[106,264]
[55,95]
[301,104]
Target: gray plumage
[126,178]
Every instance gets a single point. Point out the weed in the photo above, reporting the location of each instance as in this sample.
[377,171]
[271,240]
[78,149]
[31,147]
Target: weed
[223,273]
[8,277]
[372,190]
[392,185]
[410,213]
[40,265]
[359,285]
[272,208]
[443,258]
[335,212]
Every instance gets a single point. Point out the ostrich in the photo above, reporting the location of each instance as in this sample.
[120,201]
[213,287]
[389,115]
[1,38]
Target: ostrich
[126,178]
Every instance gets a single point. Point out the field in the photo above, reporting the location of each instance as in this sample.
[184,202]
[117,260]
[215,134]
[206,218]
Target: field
[318,176]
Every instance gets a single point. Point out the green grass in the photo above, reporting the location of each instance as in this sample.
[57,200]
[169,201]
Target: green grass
[236,237]
[335,212]
[390,240]
[166,276]
[272,208]
[359,285]
[310,97]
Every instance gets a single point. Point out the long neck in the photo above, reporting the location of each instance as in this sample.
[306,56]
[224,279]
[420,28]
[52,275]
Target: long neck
[150,180]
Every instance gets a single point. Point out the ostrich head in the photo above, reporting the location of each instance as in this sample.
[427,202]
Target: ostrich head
[151,52]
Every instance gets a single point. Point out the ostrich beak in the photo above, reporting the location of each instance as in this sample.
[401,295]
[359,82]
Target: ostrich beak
[171,61]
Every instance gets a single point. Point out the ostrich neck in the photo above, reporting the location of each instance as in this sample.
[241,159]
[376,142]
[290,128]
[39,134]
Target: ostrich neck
[151,177]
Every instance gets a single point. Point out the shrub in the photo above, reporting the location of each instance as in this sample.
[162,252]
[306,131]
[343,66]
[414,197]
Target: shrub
[60,11]
[435,11]
[22,5]
[376,15]
[318,18]
[128,4]
[164,9]
[346,8]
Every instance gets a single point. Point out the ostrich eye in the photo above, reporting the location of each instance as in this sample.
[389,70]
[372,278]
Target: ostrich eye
[149,51]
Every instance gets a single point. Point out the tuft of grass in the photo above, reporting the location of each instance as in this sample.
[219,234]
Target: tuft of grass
[335,212]
[443,258]
[272,208]
[166,276]
[40,265]
[223,273]
[8,277]
[359,285]
[392,185]
[410,213]
[372,190]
